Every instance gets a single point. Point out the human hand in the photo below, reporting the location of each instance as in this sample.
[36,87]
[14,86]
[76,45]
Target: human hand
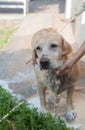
[71,61]
[66,66]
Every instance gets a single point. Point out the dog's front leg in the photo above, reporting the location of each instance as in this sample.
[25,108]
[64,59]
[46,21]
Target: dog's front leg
[70,98]
[70,115]
[41,91]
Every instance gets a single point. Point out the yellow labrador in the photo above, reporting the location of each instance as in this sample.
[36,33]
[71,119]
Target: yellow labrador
[50,50]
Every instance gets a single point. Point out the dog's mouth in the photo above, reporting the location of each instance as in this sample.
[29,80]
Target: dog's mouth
[45,64]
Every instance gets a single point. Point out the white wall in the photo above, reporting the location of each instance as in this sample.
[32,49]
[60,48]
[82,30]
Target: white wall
[73,6]
[68,9]
[80,29]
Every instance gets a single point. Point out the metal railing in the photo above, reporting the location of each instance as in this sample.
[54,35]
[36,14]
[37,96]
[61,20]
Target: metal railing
[20,4]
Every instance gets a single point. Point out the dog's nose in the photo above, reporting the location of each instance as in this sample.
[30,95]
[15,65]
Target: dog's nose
[44,63]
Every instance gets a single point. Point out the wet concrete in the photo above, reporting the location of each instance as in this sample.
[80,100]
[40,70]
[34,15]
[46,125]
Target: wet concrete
[14,71]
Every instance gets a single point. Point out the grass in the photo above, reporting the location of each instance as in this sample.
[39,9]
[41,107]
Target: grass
[4,36]
[26,118]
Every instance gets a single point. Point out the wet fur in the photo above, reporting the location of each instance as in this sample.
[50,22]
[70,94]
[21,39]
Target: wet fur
[50,78]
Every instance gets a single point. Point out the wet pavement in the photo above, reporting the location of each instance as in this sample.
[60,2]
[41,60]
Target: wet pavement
[14,71]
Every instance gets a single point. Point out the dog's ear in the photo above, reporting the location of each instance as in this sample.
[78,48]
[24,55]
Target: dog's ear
[66,47]
[34,56]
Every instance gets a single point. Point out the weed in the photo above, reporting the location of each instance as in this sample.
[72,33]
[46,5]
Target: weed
[4,36]
[25,117]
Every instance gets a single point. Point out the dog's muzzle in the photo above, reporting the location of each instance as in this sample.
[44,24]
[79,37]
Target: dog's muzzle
[44,63]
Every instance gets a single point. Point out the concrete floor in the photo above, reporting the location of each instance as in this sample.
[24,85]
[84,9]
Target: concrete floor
[20,76]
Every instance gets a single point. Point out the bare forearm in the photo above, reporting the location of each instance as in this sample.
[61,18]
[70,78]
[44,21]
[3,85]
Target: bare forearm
[80,52]
[71,61]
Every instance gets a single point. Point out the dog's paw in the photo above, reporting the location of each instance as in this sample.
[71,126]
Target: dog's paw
[70,116]
[44,110]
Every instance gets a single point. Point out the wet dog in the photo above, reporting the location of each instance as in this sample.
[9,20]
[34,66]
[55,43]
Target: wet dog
[49,52]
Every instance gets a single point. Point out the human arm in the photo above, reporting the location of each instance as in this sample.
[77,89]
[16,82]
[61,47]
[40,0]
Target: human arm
[70,62]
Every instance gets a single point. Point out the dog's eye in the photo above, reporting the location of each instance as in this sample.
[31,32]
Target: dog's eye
[53,45]
[38,48]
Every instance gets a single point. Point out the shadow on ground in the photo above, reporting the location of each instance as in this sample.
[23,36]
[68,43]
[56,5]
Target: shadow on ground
[16,73]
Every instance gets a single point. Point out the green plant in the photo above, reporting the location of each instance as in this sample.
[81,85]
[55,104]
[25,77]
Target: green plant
[26,117]
[4,36]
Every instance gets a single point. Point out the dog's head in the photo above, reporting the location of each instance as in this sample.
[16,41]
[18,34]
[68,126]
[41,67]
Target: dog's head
[49,49]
